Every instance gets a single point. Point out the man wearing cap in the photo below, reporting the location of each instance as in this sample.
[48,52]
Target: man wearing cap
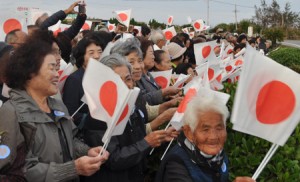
[15,38]
[176,53]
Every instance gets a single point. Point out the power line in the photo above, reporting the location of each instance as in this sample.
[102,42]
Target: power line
[221,2]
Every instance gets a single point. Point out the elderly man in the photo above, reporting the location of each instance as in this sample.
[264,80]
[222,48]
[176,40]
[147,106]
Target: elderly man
[15,38]
[199,154]
[158,38]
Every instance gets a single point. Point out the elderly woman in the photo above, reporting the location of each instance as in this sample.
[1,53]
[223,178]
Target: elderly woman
[199,154]
[162,61]
[129,150]
[131,50]
[53,153]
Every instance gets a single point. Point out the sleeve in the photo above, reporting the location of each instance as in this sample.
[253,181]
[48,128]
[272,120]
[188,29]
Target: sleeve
[12,146]
[53,19]
[122,158]
[152,111]
[72,98]
[76,26]
[48,172]
[176,172]
[154,97]
[80,148]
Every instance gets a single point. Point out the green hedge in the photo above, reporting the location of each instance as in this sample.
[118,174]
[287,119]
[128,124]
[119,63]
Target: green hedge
[287,56]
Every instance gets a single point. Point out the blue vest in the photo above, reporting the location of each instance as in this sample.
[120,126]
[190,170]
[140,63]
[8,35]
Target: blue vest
[196,173]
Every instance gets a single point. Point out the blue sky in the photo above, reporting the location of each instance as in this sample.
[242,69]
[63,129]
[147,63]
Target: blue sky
[144,10]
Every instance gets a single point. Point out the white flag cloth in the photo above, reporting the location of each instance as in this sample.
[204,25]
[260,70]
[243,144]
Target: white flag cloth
[192,35]
[111,27]
[11,21]
[267,100]
[64,27]
[162,78]
[5,90]
[170,20]
[198,25]
[106,94]
[87,25]
[204,51]
[64,75]
[128,110]
[180,80]
[123,16]
[169,33]
[139,29]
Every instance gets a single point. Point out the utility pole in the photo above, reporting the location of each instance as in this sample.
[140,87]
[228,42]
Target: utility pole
[207,12]
[235,14]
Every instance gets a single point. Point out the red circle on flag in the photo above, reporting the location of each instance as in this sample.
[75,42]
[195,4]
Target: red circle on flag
[275,102]
[206,51]
[228,68]
[123,16]
[229,51]
[63,78]
[170,20]
[161,81]
[11,24]
[211,73]
[197,25]
[55,33]
[168,35]
[219,78]
[188,96]
[86,26]
[110,27]
[124,113]
[108,97]
[238,62]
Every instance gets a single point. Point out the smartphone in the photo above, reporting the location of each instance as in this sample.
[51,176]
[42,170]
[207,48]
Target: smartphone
[81,7]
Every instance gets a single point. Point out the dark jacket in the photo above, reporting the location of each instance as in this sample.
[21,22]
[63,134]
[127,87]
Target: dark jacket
[60,15]
[178,165]
[127,160]
[150,90]
[11,139]
[45,160]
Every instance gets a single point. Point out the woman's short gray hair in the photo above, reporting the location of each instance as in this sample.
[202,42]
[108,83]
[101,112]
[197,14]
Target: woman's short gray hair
[199,105]
[116,60]
[130,45]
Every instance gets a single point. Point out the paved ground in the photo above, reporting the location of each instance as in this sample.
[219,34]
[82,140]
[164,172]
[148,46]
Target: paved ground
[292,43]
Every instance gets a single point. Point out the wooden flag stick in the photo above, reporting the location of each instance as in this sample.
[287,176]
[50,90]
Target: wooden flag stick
[77,110]
[265,161]
[166,150]
[165,130]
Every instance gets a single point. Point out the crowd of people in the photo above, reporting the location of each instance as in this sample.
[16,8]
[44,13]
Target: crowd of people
[44,138]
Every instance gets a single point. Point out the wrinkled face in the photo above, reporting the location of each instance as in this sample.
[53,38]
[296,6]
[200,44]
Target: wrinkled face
[92,51]
[137,65]
[149,59]
[125,75]
[165,63]
[210,134]
[57,54]
[46,81]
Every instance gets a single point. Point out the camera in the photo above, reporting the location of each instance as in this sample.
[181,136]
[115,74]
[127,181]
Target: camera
[81,7]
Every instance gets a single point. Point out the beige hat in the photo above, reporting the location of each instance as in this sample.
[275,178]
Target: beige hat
[175,50]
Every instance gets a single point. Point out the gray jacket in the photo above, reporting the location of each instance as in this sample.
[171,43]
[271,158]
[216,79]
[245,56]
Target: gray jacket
[44,161]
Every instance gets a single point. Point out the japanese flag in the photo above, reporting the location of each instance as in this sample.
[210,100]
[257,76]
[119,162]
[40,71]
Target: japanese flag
[128,110]
[180,80]
[267,100]
[106,94]
[111,27]
[162,78]
[170,21]
[123,16]
[169,33]
[87,25]
[11,21]
[198,25]
[64,75]
[192,35]
[55,28]
[204,51]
